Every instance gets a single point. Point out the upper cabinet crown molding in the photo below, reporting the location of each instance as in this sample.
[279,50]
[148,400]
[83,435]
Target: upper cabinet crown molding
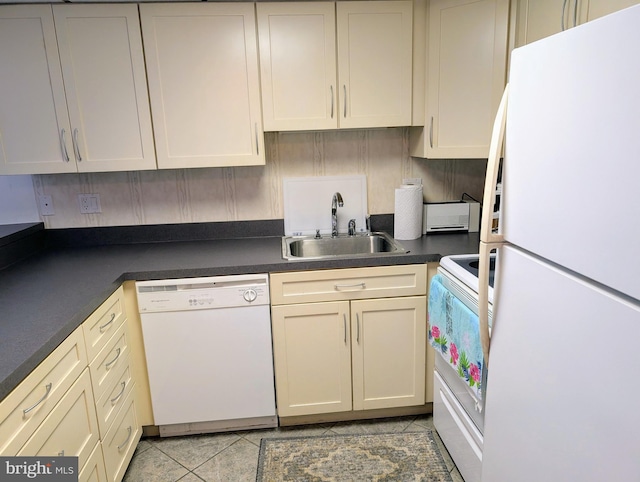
[202,66]
[76,98]
[466,72]
[326,65]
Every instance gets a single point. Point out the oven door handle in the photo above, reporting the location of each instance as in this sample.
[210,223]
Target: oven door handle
[488,239]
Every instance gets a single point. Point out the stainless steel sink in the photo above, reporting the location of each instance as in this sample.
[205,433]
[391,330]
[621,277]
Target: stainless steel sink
[342,246]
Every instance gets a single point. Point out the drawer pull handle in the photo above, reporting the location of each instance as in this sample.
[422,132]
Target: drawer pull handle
[61,453]
[44,397]
[113,317]
[108,364]
[115,399]
[124,444]
[356,285]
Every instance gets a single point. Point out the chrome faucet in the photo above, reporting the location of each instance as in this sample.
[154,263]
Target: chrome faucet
[336,201]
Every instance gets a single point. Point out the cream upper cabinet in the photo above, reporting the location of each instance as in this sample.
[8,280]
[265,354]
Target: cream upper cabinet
[592,9]
[202,65]
[537,19]
[326,65]
[76,98]
[374,63]
[466,72]
[298,65]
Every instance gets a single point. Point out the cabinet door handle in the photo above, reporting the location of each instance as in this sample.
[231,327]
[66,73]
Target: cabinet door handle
[115,399]
[358,328]
[360,285]
[564,8]
[61,453]
[344,89]
[113,317]
[331,88]
[431,133]
[64,146]
[44,397]
[108,364]
[76,146]
[257,144]
[123,444]
[344,321]
[575,13]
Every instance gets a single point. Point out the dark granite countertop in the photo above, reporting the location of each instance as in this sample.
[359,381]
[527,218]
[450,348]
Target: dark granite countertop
[44,297]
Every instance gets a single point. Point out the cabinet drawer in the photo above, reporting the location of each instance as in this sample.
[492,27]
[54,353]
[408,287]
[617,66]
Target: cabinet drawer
[24,409]
[121,439]
[348,284]
[105,364]
[103,322]
[93,470]
[70,429]
[112,400]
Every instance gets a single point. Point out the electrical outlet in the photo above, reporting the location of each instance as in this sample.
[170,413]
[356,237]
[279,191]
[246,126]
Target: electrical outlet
[89,203]
[46,205]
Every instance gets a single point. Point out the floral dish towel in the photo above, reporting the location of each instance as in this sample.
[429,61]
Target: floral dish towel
[454,333]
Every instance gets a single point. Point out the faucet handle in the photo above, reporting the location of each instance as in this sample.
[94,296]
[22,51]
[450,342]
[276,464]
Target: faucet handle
[318,234]
[352,227]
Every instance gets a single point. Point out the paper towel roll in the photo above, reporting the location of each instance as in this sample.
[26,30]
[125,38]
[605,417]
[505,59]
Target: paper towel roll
[407,223]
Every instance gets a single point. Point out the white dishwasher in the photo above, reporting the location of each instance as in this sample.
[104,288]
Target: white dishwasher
[209,353]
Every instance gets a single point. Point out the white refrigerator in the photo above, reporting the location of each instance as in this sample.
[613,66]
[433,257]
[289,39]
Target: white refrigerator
[563,388]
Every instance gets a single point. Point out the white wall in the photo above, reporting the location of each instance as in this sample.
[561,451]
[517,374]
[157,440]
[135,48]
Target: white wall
[17,200]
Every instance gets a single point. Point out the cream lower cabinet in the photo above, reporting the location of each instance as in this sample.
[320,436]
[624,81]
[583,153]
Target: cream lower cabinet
[79,406]
[466,75]
[75,98]
[351,66]
[351,354]
[202,65]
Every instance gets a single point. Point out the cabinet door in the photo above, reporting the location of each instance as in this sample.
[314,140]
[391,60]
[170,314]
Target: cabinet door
[31,402]
[202,64]
[298,65]
[71,428]
[389,338]
[106,86]
[592,9]
[466,75]
[537,19]
[374,63]
[35,134]
[312,358]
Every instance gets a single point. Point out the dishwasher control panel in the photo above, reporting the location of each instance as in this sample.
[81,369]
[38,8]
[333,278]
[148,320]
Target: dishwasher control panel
[202,293]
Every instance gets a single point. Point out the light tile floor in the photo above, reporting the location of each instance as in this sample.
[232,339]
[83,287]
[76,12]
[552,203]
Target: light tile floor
[233,457]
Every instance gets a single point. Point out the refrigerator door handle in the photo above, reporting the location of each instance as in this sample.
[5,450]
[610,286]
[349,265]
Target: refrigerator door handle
[483,297]
[493,166]
[488,239]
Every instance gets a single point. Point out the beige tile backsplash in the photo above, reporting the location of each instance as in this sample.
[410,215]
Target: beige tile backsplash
[254,193]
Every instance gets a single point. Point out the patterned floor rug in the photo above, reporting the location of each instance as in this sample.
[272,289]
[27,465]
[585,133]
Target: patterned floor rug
[397,457]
